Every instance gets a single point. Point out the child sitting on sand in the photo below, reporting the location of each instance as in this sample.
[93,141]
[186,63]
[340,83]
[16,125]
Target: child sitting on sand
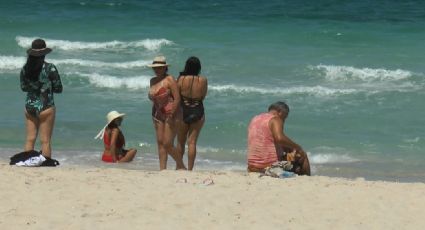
[114,141]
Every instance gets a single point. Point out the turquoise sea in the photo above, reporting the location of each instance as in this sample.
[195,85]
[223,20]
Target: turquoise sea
[352,72]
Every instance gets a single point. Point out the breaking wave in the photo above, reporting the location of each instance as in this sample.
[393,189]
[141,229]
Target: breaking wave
[106,81]
[149,44]
[15,63]
[341,73]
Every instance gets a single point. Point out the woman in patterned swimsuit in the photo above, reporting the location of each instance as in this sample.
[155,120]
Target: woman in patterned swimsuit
[164,94]
[40,80]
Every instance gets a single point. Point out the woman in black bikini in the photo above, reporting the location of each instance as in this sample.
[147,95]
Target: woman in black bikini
[192,89]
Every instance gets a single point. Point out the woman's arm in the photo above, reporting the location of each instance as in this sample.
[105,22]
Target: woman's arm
[205,88]
[179,83]
[175,92]
[299,155]
[276,128]
[55,79]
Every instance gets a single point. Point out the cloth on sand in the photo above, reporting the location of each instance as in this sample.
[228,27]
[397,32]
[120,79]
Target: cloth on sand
[32,159]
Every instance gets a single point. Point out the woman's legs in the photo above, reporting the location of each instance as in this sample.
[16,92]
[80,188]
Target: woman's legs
[194,131]
[169,136]
[31,124]
[128,155]
[162,153]
[182,130]
[165,134]
[47,121]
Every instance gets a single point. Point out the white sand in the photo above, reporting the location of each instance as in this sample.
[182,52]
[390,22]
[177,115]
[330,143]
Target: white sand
[81,198]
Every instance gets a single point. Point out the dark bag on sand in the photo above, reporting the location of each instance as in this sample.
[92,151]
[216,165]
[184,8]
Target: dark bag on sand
[32,158]
[23,156]
[49,162]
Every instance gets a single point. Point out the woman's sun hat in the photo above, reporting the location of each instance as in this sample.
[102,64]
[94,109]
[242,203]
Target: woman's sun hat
[158,61]
[113,115]
[38,48]
[109,118]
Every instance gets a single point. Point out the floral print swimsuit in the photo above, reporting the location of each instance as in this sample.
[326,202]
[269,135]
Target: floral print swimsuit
[40,92]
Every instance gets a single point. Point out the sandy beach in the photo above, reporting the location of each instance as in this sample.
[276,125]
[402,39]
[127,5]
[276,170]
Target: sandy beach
[111,198]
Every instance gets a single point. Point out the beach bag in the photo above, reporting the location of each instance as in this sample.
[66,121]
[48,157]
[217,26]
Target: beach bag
[32,159]
[23,156]
[280,169]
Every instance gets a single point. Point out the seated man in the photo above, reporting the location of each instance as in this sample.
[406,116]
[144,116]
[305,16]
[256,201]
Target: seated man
[268,144]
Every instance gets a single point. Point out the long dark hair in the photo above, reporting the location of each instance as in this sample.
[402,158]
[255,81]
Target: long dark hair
[33,67]
[192,67]
[112,125]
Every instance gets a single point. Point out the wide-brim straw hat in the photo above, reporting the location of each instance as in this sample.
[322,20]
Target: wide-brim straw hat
[113,115]
[38,48]
[109,118]
[159,61]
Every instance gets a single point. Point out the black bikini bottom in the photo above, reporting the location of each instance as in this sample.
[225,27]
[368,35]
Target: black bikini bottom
[192,114]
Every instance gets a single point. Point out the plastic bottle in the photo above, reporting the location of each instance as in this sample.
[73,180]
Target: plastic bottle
[287,174]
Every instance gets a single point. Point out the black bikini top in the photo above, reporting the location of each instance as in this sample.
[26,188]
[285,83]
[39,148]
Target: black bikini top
[189,101]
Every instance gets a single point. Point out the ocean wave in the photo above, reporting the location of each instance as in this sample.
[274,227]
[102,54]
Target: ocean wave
[310,90]
[106,4]
[207,149]
[106,81]
[330,158]
[145,144]
[88,63]
[14,63]
[11,62]
[142,82]
[342,73]
[412,140]
[149,44]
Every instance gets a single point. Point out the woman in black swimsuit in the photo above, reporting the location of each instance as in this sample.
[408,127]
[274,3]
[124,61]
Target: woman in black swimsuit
[193,89]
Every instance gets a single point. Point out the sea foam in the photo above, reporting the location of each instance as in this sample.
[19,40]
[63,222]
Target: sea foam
[15,63]
[308,90]
[106,81]
[149,44]
[330,158]
[11,62]
[342,73]
[89,63]
[143,82]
